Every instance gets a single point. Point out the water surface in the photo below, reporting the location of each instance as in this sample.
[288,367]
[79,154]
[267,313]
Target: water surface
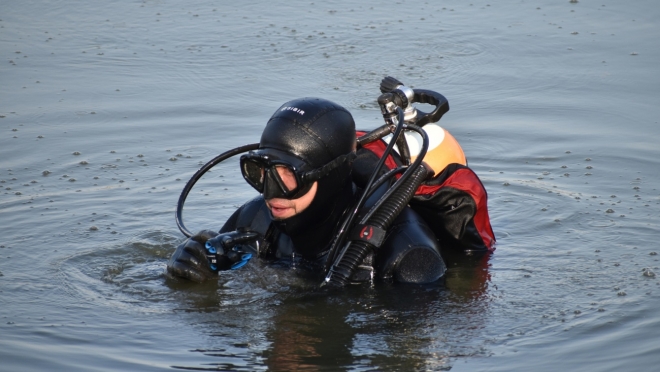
[108,108]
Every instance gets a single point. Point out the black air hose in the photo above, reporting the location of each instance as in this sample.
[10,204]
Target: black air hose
[375,134]
[381,218]
[205,168]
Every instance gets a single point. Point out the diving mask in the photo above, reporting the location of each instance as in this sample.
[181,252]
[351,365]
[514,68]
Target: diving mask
[277,174]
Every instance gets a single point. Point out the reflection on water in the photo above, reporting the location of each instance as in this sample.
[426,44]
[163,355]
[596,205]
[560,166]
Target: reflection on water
[402,327]
[107,109]
[267,317]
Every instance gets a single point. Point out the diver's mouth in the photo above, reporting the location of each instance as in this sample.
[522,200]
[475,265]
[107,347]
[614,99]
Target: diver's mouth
[280,210]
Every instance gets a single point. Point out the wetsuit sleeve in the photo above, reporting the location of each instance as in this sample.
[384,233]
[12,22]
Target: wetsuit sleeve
[454,204]
[410,253]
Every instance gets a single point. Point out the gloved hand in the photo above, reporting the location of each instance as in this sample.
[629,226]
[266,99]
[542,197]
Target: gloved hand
[224,252]
[194,261]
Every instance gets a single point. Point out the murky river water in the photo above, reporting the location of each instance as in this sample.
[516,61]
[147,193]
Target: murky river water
[108,108]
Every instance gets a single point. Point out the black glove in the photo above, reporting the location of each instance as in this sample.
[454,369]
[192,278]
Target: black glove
[193,261]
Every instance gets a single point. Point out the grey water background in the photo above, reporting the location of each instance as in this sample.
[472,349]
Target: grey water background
[108,108]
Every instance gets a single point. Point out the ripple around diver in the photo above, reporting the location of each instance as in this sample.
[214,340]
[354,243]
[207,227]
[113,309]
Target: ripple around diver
[126,275]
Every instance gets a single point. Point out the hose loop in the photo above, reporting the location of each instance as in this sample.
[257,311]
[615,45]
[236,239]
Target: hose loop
[205,168]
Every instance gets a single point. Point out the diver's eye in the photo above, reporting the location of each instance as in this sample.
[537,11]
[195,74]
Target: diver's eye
[287,176]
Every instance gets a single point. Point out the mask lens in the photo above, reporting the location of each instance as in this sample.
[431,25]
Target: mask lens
[287,176]
[253,172]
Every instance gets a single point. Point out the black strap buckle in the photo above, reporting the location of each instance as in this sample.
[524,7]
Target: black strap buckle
[370,234]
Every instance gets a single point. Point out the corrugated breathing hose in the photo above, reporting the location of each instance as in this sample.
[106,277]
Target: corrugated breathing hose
[380,217]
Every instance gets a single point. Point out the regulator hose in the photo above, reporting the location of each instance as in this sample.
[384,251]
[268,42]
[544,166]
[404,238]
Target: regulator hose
[205,168]
[375,134]
[381,217]
[347,223]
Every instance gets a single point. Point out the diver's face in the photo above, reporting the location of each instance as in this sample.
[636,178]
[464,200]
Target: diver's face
[282,209]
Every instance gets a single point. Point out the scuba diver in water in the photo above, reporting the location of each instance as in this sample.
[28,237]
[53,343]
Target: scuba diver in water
[346,209]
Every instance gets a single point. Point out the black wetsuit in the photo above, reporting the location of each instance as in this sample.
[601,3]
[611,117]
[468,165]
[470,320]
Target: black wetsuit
[448,217]
[447,213]
[410,252]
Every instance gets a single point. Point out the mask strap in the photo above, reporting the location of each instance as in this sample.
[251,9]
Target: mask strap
[317,174]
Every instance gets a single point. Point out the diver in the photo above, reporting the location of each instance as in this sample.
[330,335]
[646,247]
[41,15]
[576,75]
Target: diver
[310,172]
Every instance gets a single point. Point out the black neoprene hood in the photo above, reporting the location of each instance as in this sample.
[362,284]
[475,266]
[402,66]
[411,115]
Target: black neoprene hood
[317,131]
[313,129]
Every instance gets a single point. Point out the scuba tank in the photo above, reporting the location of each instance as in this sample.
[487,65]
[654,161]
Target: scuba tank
[443,147]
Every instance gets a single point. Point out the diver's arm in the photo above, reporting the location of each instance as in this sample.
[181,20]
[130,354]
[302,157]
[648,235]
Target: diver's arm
[420,265]
[410,252]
